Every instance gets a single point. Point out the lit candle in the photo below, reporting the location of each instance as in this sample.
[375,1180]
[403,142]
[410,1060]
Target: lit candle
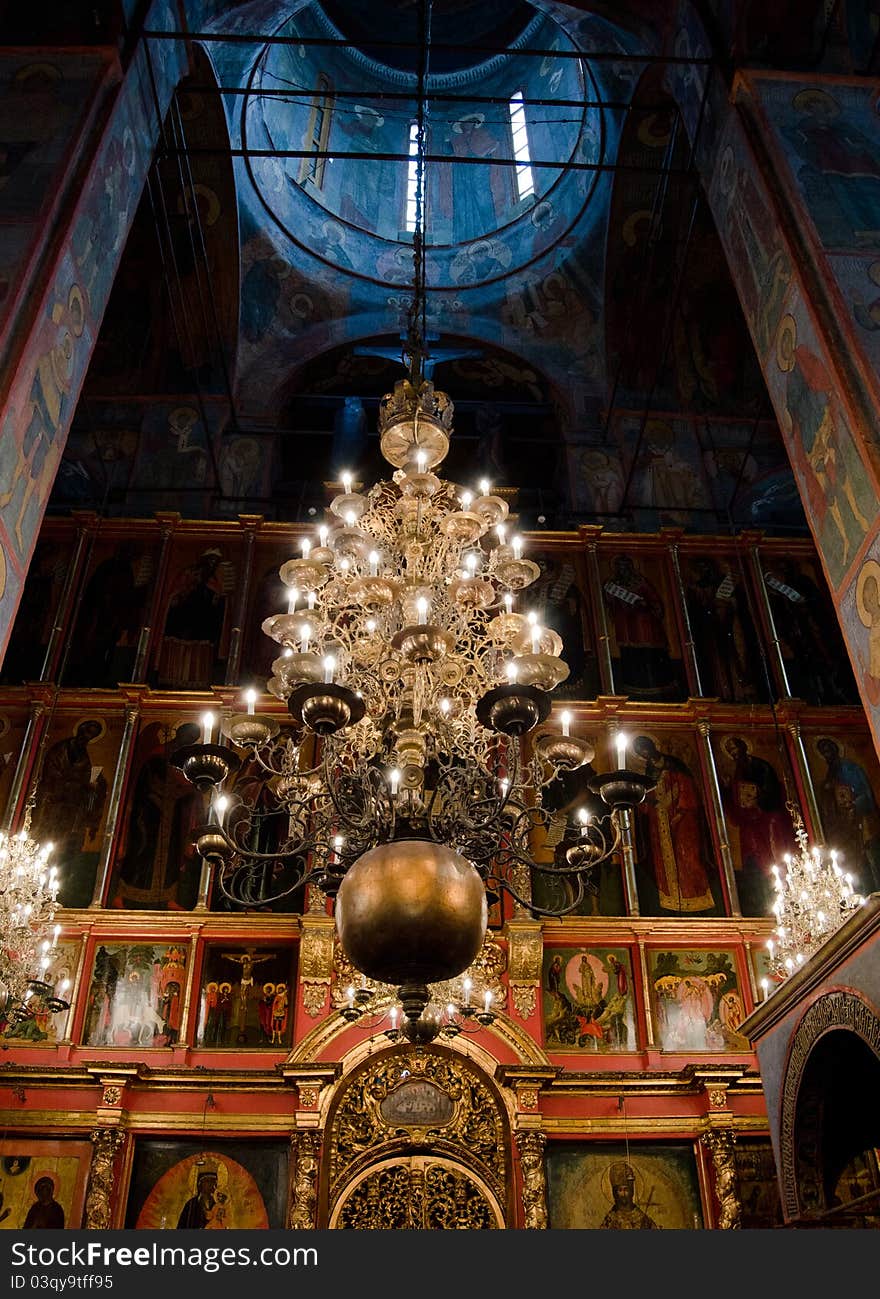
[345,479]
[487,1001]
[620,742]
[329,668]
[467,985]
[394,780]
[466,498]
[65,984]
[292,600]
[765,988]
[344,565]
[371,625]
[208,720]
[350,518]
[305,633]
[501,533]
[421,457]
[349,996]
[374,563]
[311,600]
[517,547]
[56,934]
[512,671]
[221,804]
[565,719]
[422,606]
[250,698]
[444,707]
[485,486]
[306,548]
[505,786]
[537,633]
[508,602]
[470,562]
[323,533]
[338,841]
[394,1012]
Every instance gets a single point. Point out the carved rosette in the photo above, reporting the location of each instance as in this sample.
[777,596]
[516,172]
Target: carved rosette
[305,1148]
[525,952]
[105,1145]
[534,1179]
[720,1143]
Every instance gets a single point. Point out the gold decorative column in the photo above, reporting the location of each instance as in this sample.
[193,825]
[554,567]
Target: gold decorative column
[102,875]
[316,962]
[720,1143]
[530,1144]
[727,866]
[305,1149]
[525,949]
[106,1143]
[591,536]
[805,780]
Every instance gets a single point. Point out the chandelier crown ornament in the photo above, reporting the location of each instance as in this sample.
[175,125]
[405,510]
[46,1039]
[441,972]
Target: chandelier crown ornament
[814,896]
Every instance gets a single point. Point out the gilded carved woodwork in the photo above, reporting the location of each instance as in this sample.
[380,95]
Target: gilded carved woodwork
[485,972]
[105,1145]
[475,1127]
[316,962]
[720,1143]
[305,1147]
[418,1195]
[525,948]
[534,1179]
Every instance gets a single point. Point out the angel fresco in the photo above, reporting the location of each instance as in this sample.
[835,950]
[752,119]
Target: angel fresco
[588,1000]
[697,1001]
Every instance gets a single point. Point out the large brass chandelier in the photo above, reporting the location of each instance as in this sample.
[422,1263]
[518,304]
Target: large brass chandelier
[28,900]
[413,786]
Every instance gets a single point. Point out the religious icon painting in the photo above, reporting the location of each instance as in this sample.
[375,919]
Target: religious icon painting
[268,596]
[136,994]
[156,866]
[76,773]
[676,870]
[639,605]
[753,775]
[44,1026]
[696,1000]
[559,598]
[37,608]
[246,997]
[600,892]
[13,725]
[725,639]
[42,1183]
[588,1000]
[113,608]
[623,1186]
[196,617]
[810,641]
[209,1186]
[757,1183]
[845,776]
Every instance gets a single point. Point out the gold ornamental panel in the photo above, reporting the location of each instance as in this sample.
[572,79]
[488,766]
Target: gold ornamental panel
[419,1193]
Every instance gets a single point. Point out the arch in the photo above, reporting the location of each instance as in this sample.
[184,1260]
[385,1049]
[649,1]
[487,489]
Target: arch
[834,1049]
[430,1103]
[440,1191]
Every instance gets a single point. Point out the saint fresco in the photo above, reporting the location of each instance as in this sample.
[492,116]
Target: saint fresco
[622,1186]
[588,1000]
[759,828]
[45,1027]
[816,662]
[845,776]
[603,887]
[645,659]
[559,600]
[756,1181]
[136,995]
[216,1186]
[696,1000]
[42,1183]
[725,640]
[196,620]
[113,608]
[245,998]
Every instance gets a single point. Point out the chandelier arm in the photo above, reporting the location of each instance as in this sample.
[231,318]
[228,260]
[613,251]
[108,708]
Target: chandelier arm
[505,884]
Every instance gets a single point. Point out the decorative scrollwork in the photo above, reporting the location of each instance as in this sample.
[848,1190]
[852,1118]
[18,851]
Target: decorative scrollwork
[534,1179]
[720,1143]
[305,1147]
[105,1145]
[418,1195]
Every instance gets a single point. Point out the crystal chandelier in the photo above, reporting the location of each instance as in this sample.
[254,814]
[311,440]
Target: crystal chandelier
[453,1007]
[413,788]
[814,896]
[28,893]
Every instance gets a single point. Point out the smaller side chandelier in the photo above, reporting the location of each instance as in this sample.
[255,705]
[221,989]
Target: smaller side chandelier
[453,1007]
[814,896]
[28,898]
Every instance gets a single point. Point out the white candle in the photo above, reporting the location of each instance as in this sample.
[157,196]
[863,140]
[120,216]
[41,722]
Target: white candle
[485,486]
[508,602]
[466,499]
[349,996]
[311,601]
[306,548]
[350,518]
[471,561]
[346,482]
[329,668]
[565,719]
[501,533]
[487,1001]
[422,606]
[250,699]
[56,933]
[421,457]
[444,707]
[292,600]
[467,985]
[208,721]
[505,786]
[517,547]
[765,988]
[323,533]
[512,671]
[620,742]
[537,633]
[305,633]
[394,780]
[374,563]
[221,804]
[394,1014]
[338,841]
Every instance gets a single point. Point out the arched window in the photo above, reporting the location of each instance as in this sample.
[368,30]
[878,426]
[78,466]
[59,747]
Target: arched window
[317,135]
[525,185]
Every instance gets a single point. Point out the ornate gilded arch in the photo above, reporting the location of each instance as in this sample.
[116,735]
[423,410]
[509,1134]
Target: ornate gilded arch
[800,1144]
[428,1114]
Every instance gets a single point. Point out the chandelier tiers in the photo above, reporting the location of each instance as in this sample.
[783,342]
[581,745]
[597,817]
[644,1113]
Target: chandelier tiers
[28,901]
[419,685]
[453,1007]
[814,897]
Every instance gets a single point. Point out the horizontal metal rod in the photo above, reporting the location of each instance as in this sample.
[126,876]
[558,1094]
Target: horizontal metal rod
[203,151]
[587,56]
[296,92]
